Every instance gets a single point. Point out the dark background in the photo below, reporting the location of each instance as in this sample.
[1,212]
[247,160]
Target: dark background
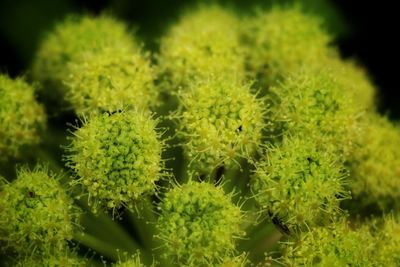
[366,30]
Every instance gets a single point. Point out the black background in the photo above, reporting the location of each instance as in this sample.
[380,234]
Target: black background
[371,35]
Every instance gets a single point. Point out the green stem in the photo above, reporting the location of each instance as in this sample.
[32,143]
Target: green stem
[99,245]
[256,235]
[143,220]
[102,226]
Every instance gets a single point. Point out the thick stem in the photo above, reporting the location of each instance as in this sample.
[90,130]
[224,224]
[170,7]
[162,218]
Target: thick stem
[143,219]
[100,246]
[103,227]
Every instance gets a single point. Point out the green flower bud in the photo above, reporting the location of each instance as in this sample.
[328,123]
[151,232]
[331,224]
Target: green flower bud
[282,41]
[199,225]
[36,214]
[354,79]
[334,246]
[117,158]
[96,64]
[220,122]
[315,106]
[21,117]
[204,43]
[300,184]
[375,164]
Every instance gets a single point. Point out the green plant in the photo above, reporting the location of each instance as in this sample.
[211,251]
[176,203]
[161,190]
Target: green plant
[246,140]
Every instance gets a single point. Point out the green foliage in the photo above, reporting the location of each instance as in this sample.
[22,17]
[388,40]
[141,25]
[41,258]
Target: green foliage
[117,158]
[204,43]
[198,225]
[96,65]
[220,122]
[21,117]
[37,216]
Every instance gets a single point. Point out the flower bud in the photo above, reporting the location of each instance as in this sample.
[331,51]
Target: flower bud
[21,117]
[220,122]
[299,184]
[94,63]
[199,225]
[117,158]
[204,43]
[37,216]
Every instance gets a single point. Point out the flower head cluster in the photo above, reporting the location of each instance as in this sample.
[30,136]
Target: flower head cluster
[36,214]
[282,41]
[21,117]
[96,65]
[375,165]
[314,106]
[220,122]
[239,165]
[198,224]
[205,42]
[117,157]
[340,245]
[300,184]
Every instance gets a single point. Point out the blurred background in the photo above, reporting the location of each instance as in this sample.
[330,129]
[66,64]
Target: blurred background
[365,30]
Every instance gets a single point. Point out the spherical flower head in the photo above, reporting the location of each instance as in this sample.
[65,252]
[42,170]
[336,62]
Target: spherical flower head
[282,40]
[204,42]
[375,164]
[71,38]
[199,224]
[117,158]
[335,246]
[95,64]
[220,121]
[355,80]
[299,184]
[37,215]
[21,117]
[111,79]
[313,105]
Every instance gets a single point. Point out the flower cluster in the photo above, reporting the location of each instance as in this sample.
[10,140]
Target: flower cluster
[244,140]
